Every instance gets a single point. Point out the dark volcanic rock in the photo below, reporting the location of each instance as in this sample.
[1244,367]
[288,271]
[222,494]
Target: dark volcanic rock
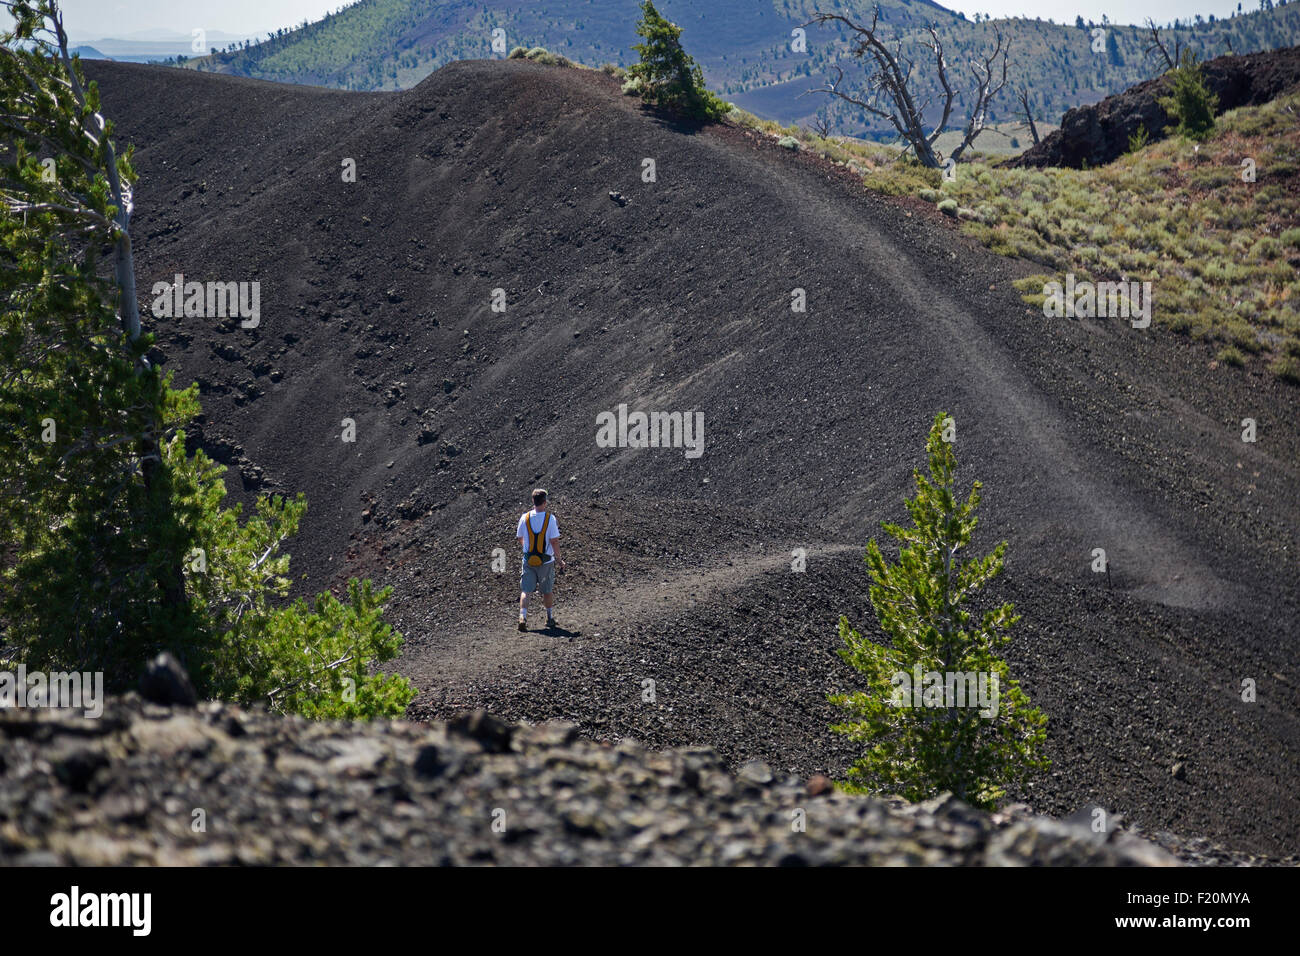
[289,791]
[166,682]
[1100,133]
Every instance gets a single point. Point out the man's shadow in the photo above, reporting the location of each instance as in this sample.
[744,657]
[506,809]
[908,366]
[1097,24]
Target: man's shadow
[554,630]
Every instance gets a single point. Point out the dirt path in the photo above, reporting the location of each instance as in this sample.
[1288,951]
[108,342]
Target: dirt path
[480,646]
[1029,435]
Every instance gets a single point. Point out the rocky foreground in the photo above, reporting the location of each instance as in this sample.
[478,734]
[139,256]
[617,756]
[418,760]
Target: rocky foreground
[216,784]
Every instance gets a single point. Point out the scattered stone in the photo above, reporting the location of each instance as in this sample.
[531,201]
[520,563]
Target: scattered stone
[756,772]
[819,784]
[492,732]
[405,793]
[166,682]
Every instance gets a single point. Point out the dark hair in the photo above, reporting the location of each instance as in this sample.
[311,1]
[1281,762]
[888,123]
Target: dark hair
[539,496]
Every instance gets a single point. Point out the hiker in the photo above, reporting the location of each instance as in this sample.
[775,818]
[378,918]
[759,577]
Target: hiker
[537,532]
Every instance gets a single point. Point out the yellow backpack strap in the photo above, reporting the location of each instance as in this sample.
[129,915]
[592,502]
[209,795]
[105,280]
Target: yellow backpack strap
[533,536]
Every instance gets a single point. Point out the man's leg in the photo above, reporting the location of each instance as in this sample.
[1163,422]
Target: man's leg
[527,581]
[546,584]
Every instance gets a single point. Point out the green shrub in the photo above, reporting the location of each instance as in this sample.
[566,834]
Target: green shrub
[518,53]
[929,195]
[1290,238]
[1266,248]
[1231,356]
[788,142]
[1214,177]
[1031,288]
[539,54]
[948,207]
[920,743]
[1287,368]
[1138,139]
[1241,335]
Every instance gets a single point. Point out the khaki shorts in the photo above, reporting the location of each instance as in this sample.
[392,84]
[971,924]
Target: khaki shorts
[540,578]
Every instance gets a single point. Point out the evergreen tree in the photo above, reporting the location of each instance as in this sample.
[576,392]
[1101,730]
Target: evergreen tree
[1113,55]
[1190,104]
[666,75]
[115,543]
[94,546]
[966,747]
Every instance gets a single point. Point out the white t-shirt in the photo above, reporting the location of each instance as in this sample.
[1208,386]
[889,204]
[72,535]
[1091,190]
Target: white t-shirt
[534,519]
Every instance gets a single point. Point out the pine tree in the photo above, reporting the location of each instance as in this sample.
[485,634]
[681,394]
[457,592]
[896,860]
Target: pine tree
[115,543]
[1113,55]
[1190,104]
[95,545]
[966,747]
[666,75]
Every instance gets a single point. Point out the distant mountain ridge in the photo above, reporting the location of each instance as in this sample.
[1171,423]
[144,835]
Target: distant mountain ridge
[746,48]
[147,46]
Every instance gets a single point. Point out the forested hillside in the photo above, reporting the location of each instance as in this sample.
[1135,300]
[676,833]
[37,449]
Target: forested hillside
[747,49]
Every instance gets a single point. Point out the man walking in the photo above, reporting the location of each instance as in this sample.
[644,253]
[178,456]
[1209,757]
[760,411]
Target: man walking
[537,532]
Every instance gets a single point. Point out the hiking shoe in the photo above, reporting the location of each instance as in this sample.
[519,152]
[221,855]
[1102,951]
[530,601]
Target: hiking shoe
[550,622]
[523,624]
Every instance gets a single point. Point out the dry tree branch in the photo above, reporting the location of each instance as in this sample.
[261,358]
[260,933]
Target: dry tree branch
[1157,45]
[889,91]
[1022,95]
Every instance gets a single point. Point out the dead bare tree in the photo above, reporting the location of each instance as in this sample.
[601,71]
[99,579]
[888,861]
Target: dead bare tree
[989,82]
[1158,45]
[1022,95]
[820,126]
[889,96]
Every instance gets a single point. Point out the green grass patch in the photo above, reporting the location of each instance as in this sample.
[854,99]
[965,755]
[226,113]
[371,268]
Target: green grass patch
[1218,251]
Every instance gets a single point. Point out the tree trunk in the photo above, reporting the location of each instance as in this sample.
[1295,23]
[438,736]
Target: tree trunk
[171,580]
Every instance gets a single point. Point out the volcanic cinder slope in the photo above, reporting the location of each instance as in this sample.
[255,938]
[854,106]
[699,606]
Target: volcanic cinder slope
[376,306]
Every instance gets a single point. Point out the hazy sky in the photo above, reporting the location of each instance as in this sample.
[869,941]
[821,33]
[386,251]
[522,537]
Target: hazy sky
[90,19]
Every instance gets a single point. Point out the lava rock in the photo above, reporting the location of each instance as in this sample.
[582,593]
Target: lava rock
[166,682]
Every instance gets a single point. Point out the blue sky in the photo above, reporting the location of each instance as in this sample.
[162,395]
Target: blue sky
[90,19]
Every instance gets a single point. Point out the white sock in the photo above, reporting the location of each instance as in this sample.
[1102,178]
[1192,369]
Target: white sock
[523,612]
